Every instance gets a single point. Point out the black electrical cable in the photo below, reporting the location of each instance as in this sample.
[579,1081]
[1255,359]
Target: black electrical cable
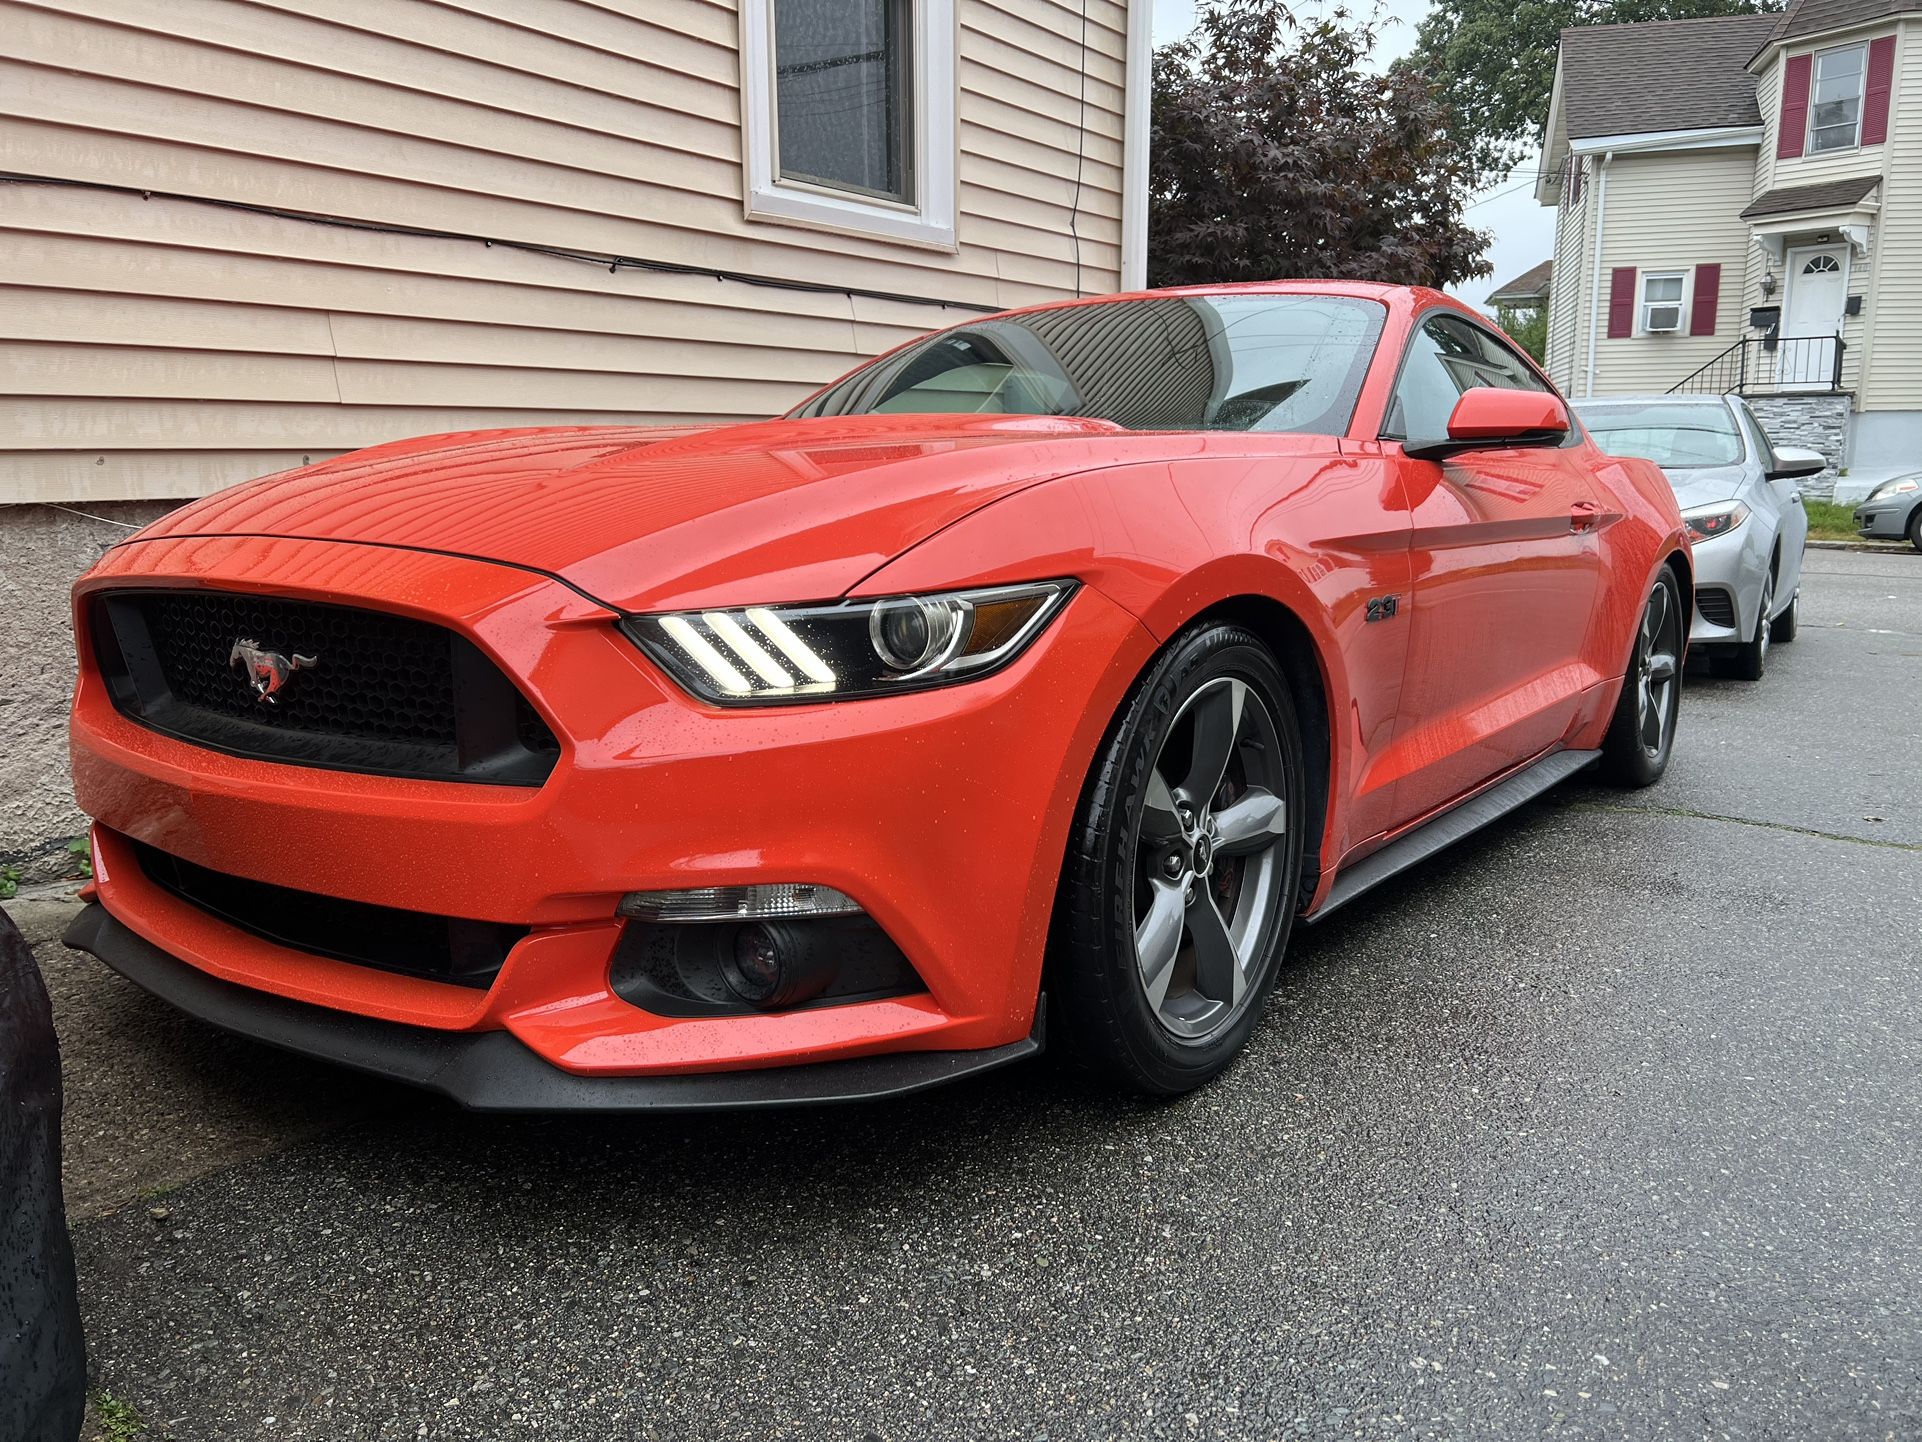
[611,262]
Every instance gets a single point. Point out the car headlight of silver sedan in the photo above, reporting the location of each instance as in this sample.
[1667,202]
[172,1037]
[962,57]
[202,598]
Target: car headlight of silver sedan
[1902,485]
[1708,523]
[788,655]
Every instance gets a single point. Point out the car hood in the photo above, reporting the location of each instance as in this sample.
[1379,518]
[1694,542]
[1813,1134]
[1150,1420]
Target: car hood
[1705,485]
[654,518]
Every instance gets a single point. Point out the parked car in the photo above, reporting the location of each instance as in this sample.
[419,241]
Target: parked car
[625,768]
[1893,510]
[1744,512]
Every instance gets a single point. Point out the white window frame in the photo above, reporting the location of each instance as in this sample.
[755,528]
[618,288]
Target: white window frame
[770,196]
[1642,302]
[1861,98]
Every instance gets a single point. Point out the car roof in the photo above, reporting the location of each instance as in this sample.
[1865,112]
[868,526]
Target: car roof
[1395,297]
[1664,399]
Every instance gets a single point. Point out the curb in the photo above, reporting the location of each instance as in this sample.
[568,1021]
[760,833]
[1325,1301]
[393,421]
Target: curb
[1870,548]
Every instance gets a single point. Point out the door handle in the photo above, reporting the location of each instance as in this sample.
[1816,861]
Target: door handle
[1583,515]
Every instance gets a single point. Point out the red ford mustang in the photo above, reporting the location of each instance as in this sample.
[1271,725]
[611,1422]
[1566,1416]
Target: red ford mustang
[1043,673]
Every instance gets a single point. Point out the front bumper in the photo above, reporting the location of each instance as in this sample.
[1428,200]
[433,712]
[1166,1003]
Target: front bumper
[943,813]
[1729,572]
[492,1071]
[1886,520]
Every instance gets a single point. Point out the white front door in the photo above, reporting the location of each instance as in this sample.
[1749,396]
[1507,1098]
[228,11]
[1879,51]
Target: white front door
[1812,315]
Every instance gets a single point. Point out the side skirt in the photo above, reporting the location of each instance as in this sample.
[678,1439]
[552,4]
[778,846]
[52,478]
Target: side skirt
[1463,819]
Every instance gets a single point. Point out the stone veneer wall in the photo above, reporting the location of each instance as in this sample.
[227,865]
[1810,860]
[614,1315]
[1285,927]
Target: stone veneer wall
[1817,422]
[42,551]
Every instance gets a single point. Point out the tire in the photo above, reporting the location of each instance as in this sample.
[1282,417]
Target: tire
[1790,621]
[1748,661]
[1915,528]
[1140,872]
[1628,757]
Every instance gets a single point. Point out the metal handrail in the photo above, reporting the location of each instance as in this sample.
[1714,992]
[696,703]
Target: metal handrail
[1777,364]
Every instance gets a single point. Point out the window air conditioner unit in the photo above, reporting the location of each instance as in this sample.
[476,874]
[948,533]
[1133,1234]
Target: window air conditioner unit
[1663,318]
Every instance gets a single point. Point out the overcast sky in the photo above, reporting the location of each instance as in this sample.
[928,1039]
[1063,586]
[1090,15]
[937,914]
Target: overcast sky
[1524,232]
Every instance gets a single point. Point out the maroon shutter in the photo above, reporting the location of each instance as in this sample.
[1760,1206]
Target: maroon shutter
[1708,292]
[1875,99]
[1795,107]
[1575,179]
[1621,302]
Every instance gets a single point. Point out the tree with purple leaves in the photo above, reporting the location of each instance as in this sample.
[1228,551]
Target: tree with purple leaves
[1276,152]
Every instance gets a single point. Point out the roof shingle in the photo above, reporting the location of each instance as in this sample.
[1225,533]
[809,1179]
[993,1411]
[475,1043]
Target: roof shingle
[1829,195]
[1810,17]
[1530,285]
[1665,74]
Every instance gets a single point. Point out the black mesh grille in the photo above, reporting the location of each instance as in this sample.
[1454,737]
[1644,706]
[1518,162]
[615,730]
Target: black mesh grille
[385,677]
[358,690]
[1716,605]
[412,943]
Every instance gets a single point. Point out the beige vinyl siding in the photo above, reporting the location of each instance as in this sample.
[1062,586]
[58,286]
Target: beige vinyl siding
[1673,210]
[159,347]
[1772,172]
[1883,352]
[1568,291]
[1893,376]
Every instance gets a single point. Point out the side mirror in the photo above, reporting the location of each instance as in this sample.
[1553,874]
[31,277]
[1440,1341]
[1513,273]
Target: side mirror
[1489,418]
[1793,462]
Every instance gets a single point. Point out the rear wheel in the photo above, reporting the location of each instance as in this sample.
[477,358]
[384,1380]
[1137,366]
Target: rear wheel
[1183,868]
[1641,735]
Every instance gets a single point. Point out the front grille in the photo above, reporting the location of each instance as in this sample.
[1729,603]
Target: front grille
[367,690]
[412,943]
[1716,605]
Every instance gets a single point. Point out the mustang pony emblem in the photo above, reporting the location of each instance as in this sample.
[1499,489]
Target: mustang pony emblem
[267,671]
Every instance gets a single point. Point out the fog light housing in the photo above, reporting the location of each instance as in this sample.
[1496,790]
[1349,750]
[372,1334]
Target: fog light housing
[772,965]
[732,967]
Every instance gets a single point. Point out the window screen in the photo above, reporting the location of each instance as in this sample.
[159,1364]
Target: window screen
[1835,109]
[843,112]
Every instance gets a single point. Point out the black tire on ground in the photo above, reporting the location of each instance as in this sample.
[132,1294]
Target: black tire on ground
[1630,757]
[1101,1005]
[1748,661]
[1790,621]
[1915,528]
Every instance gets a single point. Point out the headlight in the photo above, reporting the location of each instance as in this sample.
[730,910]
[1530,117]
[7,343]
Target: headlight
[1895,488]
[785,655]
[1705,523]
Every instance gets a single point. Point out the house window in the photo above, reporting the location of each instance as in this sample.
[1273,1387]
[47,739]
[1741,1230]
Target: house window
[848,115]
[841,80]
[1662,301]
[1835,99]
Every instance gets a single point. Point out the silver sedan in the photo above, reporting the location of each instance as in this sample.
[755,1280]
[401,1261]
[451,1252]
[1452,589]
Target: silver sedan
[1744,513]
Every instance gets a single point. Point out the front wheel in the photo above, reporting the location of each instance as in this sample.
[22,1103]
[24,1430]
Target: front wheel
[1183,867]
[1915,528]
[1789,622]
[1641,736]
[1749,660]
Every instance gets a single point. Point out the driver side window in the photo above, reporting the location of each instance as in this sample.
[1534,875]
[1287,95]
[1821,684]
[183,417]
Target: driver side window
[1447,357]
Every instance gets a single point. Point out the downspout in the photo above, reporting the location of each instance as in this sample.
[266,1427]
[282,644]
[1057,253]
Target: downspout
[1595,295]
[1137,96]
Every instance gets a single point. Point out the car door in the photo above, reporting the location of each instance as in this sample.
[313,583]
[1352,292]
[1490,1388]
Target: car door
[1506,575]
[1791,516]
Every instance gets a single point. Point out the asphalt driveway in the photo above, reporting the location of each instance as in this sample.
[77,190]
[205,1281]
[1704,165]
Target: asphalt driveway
[1608,1124]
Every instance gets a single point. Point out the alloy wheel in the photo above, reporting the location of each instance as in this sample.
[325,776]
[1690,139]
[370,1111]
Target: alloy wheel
[1208,858]
[1657,667]
[1768,604]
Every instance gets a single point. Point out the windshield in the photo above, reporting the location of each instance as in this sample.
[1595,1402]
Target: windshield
[1202,363]
[1675,437]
